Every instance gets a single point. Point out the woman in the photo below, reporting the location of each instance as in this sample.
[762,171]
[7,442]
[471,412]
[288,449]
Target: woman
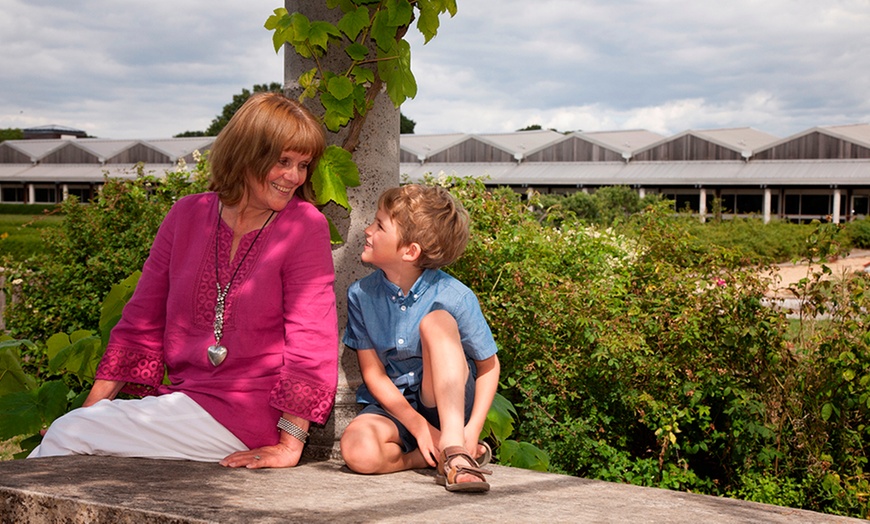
[235,303]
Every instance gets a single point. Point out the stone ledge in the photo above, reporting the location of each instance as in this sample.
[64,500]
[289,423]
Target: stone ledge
[85,489]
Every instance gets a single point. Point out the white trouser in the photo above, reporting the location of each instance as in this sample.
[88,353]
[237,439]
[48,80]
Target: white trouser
[164,427]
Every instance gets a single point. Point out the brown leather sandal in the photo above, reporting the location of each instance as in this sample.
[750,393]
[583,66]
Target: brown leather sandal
[484,459]
[447,473]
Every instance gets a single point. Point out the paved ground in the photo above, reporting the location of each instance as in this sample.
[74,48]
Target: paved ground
[98,489]
[790,274]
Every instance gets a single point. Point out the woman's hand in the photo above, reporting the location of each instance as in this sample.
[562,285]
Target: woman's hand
[278,456]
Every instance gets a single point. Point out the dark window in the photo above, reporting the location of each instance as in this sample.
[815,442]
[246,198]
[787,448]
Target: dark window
[687,201]
[45,195]
[13,194]
[861,205]
[816,205]
[748,204]
[792,204]
[82,193]
[728,203]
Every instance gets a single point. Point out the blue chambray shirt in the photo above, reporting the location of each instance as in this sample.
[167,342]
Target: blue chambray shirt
[381,317]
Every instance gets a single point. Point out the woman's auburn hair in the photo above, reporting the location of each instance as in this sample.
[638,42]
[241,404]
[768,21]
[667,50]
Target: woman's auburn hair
[252,142]
[431,217]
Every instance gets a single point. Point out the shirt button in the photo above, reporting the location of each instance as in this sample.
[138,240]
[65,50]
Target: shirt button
[403,308]
[410,373]
[393,298]
[401,341]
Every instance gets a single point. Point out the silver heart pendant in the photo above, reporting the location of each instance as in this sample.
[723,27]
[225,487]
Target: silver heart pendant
[216,355]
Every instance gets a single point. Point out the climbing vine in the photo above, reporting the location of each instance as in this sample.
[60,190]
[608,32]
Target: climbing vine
[371,34]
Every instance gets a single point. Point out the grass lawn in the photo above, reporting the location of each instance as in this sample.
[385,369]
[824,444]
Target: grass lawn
[8,448]
[21,235]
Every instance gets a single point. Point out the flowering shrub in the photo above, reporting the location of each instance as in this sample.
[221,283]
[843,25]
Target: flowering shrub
[643,354]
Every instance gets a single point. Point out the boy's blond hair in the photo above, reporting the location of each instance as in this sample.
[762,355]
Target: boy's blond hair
[431,217]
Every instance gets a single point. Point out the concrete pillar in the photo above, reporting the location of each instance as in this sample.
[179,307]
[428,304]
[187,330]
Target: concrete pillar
[31,194]
[378,159]
[64,192]
[702,205]
[765,210]
[835,215]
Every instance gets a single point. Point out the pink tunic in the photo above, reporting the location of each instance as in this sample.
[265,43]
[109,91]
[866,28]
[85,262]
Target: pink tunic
[280,325]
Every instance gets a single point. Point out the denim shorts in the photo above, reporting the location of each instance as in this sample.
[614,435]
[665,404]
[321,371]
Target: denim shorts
[409,441]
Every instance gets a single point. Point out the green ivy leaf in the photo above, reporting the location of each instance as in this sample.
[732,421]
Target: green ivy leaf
[383,33]
[334,234]
[399,13]
[340,87]
[353,22]
[357,52]
[346,5]
[114,303]
[338,112]
[320,32]
[396,73]
[336,171]
[428,21]
[362,75]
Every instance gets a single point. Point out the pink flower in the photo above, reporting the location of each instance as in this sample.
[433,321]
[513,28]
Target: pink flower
[720,282]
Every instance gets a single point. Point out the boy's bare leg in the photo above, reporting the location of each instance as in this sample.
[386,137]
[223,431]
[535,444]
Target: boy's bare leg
[370,445]
[445,372]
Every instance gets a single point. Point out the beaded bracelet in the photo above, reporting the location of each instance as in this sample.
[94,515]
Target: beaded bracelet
[292,429]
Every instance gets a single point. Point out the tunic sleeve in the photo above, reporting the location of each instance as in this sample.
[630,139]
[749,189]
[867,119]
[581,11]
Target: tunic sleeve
[134,353]
[308,380]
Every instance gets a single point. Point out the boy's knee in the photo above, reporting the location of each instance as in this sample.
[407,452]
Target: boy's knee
[438,323]
[359,451]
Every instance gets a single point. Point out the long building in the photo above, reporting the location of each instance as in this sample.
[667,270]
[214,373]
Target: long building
[821,173]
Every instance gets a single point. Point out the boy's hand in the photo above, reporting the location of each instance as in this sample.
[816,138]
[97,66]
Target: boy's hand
[426,442]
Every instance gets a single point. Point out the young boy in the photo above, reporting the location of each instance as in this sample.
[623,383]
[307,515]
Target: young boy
[426,353]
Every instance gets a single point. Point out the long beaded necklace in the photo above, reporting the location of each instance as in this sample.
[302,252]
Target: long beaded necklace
[217,353]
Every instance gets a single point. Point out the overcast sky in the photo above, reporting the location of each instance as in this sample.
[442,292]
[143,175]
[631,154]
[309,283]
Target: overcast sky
[154,69]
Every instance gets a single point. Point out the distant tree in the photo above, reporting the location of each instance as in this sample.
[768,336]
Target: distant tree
[190,133]
[533,127]
[230,109]
[406,127]
[12,133]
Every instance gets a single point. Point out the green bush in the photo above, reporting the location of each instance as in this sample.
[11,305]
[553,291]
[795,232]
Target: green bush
[859,232]
[60,288]
[644,353]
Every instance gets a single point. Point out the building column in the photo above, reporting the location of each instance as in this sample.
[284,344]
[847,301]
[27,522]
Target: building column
[64,192]
[702,205]
[835,215]
[378,159]
[766,206]
[31,194]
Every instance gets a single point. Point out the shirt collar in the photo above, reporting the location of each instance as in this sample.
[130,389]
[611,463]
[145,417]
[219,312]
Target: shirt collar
[417,290]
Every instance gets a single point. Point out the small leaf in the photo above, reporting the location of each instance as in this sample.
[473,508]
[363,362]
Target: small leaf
[362,75]
[340,87]
[827,410]
[353,22]
[357,52]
